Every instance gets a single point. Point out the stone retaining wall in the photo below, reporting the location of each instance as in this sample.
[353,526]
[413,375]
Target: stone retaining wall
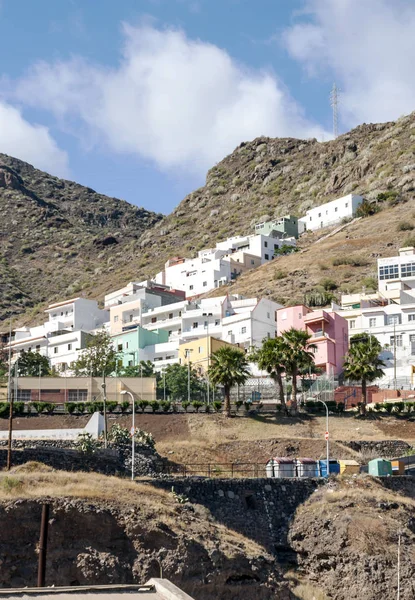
[260,509]
[383,449]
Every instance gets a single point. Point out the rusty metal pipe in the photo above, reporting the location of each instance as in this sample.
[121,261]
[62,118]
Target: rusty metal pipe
[43,544]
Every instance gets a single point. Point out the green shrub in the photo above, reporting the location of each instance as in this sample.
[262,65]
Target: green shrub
[367,209]
[18,408]
[328,284]
[391,197]
[86,443]
[280,275]
[238,404]
[248,406]
[44,407]
[207,407]
[124,405]
[11,484]
[388,406]
[318,297]
[111,405]
[154,405]
[165,406]
[410,241]
[217,405]
[378,406]
[197,405]
[398,407]
[4,410]
[310,404]
[90,407]
[353,261]
[144,438]
[80,407]
[143,405]
[99,406]
[119,435]
[70,407]
[370,283]
[185,405]
[404,226]
[340,407]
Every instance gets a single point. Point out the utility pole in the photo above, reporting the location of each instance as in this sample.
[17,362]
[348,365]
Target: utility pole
[104,395]
[10,398]
[394,354]
[334,101]
[43,544]
[399,567]
[164,385]
[40,375]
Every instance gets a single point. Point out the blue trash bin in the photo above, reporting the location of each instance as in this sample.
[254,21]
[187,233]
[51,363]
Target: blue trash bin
[334,467]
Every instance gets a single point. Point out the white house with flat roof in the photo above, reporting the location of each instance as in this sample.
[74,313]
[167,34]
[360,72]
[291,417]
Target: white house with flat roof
[331,213]
[63,335]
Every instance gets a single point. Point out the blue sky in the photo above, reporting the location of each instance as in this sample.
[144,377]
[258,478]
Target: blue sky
[138,98]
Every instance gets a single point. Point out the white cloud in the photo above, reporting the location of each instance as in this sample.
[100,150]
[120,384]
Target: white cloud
[32,143]
[367,46]
[181,103]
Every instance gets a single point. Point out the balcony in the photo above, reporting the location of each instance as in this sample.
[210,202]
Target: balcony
[317,316]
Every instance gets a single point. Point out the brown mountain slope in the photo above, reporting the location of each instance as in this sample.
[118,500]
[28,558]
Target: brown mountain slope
[263,178]
[56,236]
[273,177]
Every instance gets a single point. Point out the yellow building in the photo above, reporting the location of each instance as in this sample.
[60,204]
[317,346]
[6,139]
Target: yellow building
[199,351]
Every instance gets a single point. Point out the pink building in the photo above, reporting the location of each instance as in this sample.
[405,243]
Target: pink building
[329,333]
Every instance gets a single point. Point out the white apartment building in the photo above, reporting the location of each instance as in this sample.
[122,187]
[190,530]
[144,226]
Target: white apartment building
[245,322]
[214,267]
[331,212]
[389,315]
[63,335]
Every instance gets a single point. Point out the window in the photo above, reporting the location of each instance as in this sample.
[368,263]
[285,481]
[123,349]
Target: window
[300,316]
[268,315]
[29,349]
[243,330]
[200,349]
[393,319]
[265,244]
[170,315]
[266,256]
[411,317]
[268,335]
[352,324]
[346,205]
[55,350]
[131,318]
[195,325]
[412,342]
[217,322]
[38,348]
[372,322]
[408,270]
[170,333]
[116,319]
[398,341]
[130,363]
[126,344]
[77,395]
[190,287]
[319,214]
[205,284]
[69,346]
[23,395]
[275,246]
[389,272]
[119,347]
[230,332]
[311,218]
[154,319]
[335,209]
[205,324]
[252,262]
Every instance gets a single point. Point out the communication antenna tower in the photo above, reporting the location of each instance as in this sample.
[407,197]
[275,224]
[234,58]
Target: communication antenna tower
[334,101]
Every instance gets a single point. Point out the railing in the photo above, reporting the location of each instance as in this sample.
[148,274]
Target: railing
[222,470]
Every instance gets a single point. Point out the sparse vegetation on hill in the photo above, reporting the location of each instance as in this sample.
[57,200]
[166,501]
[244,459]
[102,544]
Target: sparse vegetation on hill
[71,226]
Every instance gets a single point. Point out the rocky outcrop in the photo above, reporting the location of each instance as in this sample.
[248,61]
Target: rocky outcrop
[101,543]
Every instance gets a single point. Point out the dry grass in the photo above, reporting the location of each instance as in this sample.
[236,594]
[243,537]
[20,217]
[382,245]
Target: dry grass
[34,480]
[305,591]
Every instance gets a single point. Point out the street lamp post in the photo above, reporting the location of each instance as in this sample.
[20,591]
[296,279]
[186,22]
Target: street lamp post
[123,393]
[188,351]
[208,352]
[327,433]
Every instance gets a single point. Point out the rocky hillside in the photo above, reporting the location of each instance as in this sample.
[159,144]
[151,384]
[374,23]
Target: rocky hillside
[57,236]
[107,530]
[261,179]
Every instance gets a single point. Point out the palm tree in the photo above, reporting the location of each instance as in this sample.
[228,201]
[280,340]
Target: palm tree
[270,357]
[362,363]
[298,355]
[228,367]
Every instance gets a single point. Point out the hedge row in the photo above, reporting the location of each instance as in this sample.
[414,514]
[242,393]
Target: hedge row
[395,407]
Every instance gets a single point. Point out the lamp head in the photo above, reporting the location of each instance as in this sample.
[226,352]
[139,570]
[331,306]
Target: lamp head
[123,392]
